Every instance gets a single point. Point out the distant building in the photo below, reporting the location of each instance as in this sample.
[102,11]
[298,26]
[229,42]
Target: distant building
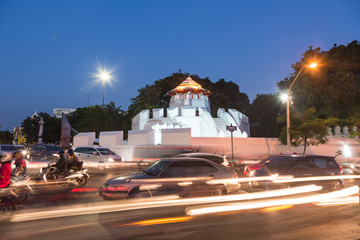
[58,111]
[190,108]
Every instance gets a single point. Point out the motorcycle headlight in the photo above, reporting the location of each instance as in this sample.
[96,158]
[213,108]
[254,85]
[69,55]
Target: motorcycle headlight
[110,159]
[24,152]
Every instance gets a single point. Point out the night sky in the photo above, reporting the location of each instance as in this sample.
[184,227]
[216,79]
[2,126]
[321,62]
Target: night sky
[49,49]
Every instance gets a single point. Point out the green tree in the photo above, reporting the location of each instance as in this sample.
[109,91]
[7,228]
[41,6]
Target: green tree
[306,130]
[263,113]
[6,137]
[334,88]
[97,118]
[51,131]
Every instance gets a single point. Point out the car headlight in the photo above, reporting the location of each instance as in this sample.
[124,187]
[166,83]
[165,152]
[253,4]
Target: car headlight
[110,159]
[24,152]
[352,166]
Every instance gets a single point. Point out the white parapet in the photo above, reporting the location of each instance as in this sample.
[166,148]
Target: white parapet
[141,137]
[84,139]
[176,137]
[111,138]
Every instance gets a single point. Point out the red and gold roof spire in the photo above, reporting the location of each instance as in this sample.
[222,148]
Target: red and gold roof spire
[189,85]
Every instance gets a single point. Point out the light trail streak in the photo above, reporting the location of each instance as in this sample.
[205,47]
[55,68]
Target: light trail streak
[157,202]
[272,203]
[160,221]
[277,208]
[319,178]
[339,201]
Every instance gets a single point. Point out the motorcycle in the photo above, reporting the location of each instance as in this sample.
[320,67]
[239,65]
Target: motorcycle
[17,192]
[72,177]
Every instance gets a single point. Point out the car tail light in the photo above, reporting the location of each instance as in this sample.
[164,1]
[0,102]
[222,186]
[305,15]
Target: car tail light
[228,165]
[341,171]
[236,176]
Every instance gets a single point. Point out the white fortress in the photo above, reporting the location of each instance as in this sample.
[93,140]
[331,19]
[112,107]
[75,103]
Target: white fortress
[190,109]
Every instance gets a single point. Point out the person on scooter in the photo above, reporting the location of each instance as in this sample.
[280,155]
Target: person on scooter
[61,164]
[20,165]
[73,161]
[5,170]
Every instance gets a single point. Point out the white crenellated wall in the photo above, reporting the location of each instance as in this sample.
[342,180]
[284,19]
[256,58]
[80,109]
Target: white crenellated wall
[111,138]
[141,137]
[84,139]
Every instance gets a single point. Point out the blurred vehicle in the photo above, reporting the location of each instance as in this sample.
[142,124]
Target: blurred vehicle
[22,149]
[216,158]
[99,157]
[249,170]
[16,192]
[71,178]
[355,168]
[7,148]
[299,166]
[43,152]
[182,176]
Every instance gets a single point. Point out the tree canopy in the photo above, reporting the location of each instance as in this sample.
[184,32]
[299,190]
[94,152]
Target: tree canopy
[6,137]
[305,129]
[263,115]
[51,131]
[97,118]
[333,89]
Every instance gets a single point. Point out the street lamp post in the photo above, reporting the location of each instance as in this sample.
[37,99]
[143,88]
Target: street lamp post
[104,76]
[313,65]
[231,128]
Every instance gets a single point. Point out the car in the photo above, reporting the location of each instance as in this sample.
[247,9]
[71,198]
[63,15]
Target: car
[99,157]
[43,152]
[7,148]
[299,166]
[217,158]
[249,170]
[355,168]
[182,176]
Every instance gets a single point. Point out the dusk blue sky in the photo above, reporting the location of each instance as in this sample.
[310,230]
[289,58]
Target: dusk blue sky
[48,49]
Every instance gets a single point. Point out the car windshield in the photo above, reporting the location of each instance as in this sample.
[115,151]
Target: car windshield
[105,151]
[53,148]
[20,147]
[155,168]
[8,148]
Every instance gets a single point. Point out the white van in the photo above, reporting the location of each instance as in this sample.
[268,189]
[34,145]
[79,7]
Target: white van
[99,157]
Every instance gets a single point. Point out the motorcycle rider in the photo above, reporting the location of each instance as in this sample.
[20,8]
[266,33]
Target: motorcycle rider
[5,170]
[20,165]
[61,164]
[73,161]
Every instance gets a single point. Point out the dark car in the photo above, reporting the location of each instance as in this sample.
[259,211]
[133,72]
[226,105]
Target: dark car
[43,152]
[299,166]
[7,148]
[182,176]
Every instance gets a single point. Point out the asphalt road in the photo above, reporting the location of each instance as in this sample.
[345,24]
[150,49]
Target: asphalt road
[49,217]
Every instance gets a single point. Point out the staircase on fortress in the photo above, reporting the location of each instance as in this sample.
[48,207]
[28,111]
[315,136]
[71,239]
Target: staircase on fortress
[221,126]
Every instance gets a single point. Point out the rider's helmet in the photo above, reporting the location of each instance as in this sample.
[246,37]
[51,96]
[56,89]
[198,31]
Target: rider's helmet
[61,152]
[70,152]
[6,157]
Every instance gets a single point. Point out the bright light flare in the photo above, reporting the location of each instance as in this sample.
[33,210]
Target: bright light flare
[313,65]
[284,97]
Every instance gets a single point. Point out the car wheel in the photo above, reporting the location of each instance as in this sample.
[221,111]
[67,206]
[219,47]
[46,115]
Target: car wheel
[217,191]
[285,186]
[336,185]
[137,194]
[101,166]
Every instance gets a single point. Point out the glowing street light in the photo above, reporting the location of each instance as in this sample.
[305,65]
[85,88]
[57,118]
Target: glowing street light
[104,76]
[287,98]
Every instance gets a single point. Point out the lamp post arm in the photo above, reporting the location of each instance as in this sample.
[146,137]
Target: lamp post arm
[296,77]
